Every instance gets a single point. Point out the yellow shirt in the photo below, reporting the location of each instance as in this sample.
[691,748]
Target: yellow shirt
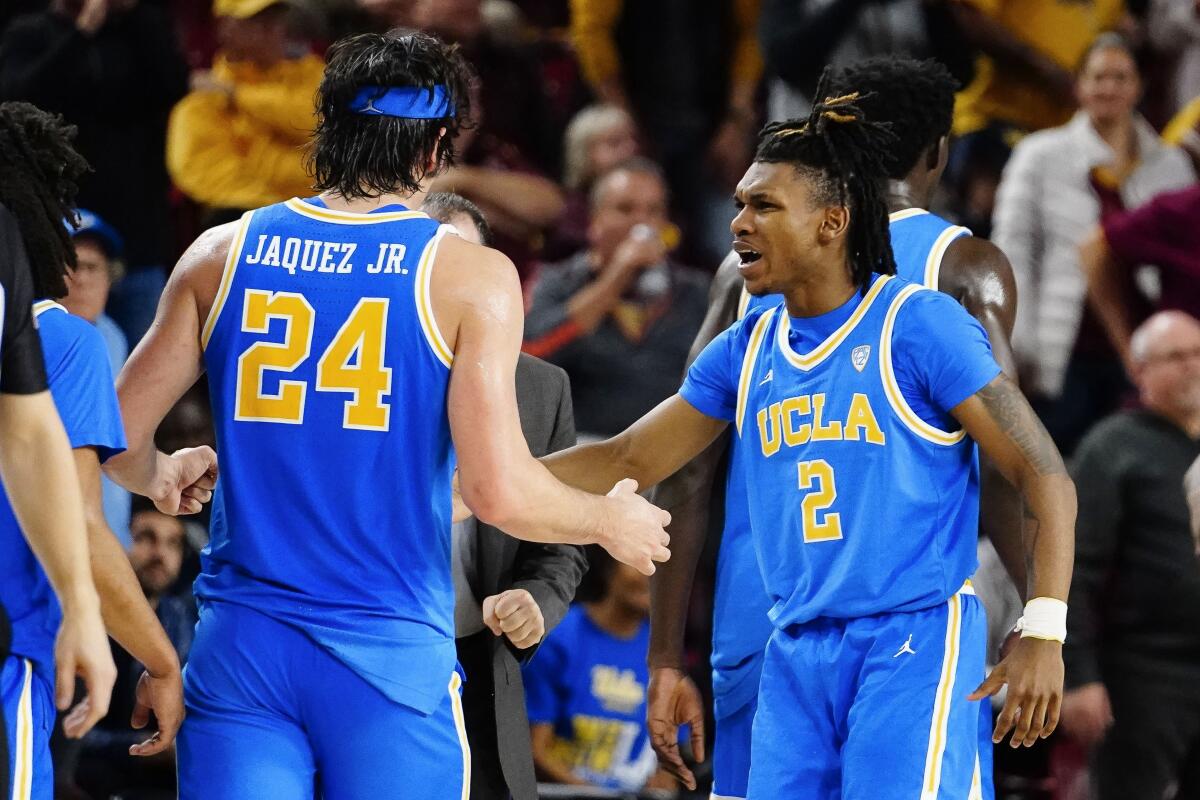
[1183,123]
[1062,30]
[247,150]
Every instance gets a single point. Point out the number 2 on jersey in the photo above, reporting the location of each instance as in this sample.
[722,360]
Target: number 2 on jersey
[816,478]
[353,361]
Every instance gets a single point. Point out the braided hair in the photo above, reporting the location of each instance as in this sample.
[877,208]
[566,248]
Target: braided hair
[41,177]
[915,97]
[845,157]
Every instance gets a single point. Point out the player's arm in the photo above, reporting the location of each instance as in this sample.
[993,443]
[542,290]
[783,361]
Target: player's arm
[977,274]
[477,300]
[673,699]
[129,618]
[999,419]
[165,365]
[39,477]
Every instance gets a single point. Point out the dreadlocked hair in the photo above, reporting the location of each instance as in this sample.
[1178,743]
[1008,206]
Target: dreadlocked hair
[915,97]
[844,156]
[41,173]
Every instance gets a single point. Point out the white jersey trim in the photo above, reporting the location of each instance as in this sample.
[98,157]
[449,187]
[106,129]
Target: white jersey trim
[227,273]
[433,336]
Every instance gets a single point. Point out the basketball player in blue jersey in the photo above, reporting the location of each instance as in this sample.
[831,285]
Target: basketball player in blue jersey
[858,402]
[353,348]
[916,98]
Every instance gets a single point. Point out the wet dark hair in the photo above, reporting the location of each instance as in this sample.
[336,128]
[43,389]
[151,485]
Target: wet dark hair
[39,178]
[915,97]
[364,155]
[444,206]
[845,158]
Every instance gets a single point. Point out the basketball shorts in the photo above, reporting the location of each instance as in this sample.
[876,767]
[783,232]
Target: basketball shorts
[27,709]
[731,753]
[874,707]
[270,714]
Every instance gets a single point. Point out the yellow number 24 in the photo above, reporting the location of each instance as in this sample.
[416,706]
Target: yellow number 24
[817,476]
[352,363]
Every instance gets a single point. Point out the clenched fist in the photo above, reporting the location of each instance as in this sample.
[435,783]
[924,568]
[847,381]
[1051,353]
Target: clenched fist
[515,614]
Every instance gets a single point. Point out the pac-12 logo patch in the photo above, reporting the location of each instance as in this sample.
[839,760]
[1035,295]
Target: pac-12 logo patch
[860,355]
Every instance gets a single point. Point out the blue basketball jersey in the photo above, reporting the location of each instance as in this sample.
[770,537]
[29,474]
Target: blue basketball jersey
[328,379]
[885,497]
[81,384]
[740,624]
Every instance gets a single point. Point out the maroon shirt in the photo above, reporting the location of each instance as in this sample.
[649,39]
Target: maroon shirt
[1166,233]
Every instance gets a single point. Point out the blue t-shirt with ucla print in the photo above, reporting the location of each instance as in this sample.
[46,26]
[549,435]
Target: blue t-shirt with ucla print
[591,686]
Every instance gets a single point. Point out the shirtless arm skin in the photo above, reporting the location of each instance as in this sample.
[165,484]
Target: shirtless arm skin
[673,698]
[977,274]
[165,365]
[39,476]
[476,301]
[1000,420]
[129,618]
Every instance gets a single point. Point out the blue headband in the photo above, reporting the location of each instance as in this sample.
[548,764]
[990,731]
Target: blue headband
[406,102]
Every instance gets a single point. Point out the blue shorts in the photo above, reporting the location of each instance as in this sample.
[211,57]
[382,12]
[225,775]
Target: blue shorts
[874,707]
[270,714]
[28,714]
[731,753]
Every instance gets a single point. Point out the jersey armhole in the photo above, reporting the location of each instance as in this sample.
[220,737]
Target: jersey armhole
[227,273]
[429,327]
[933,263]
[748,362]
[891,387]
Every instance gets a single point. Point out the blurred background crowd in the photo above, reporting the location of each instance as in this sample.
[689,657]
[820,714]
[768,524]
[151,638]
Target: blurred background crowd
[607,140]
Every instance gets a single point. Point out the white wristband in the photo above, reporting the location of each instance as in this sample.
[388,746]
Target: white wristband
[1044,618]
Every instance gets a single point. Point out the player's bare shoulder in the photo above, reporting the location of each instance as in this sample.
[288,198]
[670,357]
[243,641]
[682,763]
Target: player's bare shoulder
[978,274]
[468,278]
[202,265]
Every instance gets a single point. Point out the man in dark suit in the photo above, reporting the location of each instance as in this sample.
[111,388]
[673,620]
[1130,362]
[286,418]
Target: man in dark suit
[509,593]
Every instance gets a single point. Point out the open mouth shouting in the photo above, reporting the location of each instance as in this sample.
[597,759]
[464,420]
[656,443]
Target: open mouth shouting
[747,255]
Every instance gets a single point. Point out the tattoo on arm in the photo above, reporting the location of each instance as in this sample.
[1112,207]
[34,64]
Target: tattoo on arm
[1011,412]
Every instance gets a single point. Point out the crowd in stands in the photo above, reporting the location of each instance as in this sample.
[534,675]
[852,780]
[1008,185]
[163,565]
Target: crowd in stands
[606,141]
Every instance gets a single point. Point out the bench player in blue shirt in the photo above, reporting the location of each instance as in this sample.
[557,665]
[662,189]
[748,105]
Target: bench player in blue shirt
[917,99]
[860,423]
[353,348]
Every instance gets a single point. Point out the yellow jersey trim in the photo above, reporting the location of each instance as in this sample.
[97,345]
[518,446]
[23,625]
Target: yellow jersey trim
[460,725]
[943,700]
[231,262]
[756,338]
[22,786]
[823,350]
[933,262]
[42,306]
[906,213]
[349,217]
[743,303]
[892,388]
[425,305]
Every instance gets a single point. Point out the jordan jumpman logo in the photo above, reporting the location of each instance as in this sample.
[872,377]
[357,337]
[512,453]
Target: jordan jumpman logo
[906,648]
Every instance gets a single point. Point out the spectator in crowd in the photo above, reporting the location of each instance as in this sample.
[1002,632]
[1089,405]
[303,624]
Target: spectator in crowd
[1172,30]
[105,767]
[512,96]
[620,316]
[236,141]
[688,74]
[1028,52]
[520,202]
[1133,649]
[97,267]
[1057,186]
[598,138]
[801,37]
[587,689]
[1184,131]
[509,593]
[1164,233]
[112,68]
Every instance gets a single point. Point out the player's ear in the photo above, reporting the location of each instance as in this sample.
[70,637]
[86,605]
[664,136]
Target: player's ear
[834,223]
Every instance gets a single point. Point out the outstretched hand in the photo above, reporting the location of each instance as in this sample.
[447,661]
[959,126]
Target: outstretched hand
[635,530]
[1033,671]
[674,700]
